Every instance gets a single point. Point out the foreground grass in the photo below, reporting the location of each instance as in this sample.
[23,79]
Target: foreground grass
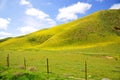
[63,64]
[21,74]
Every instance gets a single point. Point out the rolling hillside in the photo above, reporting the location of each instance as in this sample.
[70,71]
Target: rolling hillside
[100,29]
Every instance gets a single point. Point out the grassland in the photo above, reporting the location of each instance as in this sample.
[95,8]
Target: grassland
[64,65]
[96,28]
[95,38]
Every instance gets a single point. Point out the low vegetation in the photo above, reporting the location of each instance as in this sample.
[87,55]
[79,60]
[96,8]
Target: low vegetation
[94,38]
[99,27]
[63,65]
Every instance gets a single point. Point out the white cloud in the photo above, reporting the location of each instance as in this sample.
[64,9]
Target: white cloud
[36,13]
[25,2]
[115,6]
[40,17]
[35,19]
[4,34]
[4,23]
[32,24]
[70,12]
[99,0]
[27,29]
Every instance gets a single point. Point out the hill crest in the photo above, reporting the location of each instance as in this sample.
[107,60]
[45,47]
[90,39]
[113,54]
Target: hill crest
[99,27]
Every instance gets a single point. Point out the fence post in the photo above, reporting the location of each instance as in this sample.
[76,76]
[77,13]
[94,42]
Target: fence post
[47,66]
[8,60]
[86,77]
[25,63]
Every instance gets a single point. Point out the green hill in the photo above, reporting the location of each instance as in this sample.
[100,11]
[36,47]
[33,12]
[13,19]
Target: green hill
[100,29]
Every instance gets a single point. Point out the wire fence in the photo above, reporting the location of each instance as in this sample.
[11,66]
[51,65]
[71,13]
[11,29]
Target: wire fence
[45,65]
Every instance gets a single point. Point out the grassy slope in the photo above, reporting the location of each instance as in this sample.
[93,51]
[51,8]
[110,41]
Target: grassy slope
[91,31]
[93,37]
[95,28]
[33,39]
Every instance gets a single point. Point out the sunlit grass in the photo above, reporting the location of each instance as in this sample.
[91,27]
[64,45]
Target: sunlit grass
[86,32]
[66,63]
[67,46]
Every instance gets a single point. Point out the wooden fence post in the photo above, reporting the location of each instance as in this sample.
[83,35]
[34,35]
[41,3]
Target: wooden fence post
[8,60]
[86,77]
[47,66]
[25,63]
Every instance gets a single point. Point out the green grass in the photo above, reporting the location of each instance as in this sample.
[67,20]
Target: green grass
[95,28]
[99,27]
[95,38]
[19,74]
[67,64]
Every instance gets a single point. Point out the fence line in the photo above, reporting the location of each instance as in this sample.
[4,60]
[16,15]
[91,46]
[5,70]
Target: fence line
[24,63]
[8,60]
[47,66]
[86,77]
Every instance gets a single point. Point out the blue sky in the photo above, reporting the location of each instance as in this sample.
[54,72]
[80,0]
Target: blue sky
[19,17]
